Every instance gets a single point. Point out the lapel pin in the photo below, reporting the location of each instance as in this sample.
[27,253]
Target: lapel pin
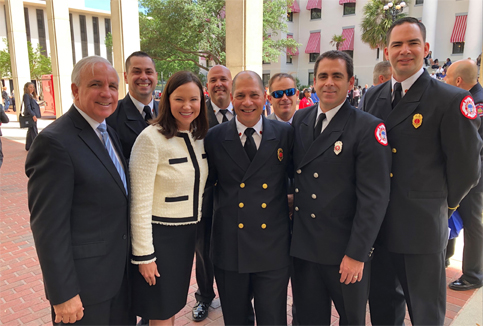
[280,154]
[337,147]
[417,120]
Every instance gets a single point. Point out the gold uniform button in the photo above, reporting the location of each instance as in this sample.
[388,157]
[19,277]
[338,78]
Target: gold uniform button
[296,208]
[264,226]
[264,205]
[240,226]
[316,175]
[241,205]
[391,175]
[312,215]
[314,196]
[299,171]
[296,189]
[242,185]
[264,186]
[394,150]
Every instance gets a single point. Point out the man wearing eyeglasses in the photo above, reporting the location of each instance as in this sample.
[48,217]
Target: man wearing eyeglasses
[342,164]
[283,97]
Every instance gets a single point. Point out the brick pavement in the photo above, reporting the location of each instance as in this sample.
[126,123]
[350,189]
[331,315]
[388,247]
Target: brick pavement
[22,298]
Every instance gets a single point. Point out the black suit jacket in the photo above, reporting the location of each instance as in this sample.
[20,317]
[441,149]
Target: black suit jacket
[128,123]
[434,165]
[78,211]
[31,107]
[340,199]
[250,223]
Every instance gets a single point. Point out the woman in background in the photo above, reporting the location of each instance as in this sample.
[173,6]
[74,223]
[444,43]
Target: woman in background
[31,108]
[306,101]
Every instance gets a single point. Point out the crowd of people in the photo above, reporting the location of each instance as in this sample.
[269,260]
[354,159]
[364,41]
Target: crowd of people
[350,204]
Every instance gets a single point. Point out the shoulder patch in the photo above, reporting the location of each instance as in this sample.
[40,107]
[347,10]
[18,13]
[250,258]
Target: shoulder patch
[381,134]
[479,109]
[468,108]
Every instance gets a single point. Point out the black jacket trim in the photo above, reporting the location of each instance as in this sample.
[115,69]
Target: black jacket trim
[174,220]
[196,188]
[175,199]
[178,160]
[144,258]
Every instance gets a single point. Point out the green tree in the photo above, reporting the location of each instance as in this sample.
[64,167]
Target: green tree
[187,30]
[336,41]
[376,22]
[39,64]
[5,63]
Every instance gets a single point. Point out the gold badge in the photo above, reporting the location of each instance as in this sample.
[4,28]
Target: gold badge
[337,147]
[417,120]
[280,154]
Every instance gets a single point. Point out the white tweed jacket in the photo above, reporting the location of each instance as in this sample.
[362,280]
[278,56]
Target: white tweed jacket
[168,177]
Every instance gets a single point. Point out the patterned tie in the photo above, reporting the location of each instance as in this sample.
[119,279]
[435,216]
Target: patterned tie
[112,154]
[225,119]
[397,94]
[250,146]
[318,125]
[147,111]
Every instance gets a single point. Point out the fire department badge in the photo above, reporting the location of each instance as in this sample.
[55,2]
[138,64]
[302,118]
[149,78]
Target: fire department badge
[280,154]
[417,120]
[337,147]
[468,108]
[479,109]
[381,134]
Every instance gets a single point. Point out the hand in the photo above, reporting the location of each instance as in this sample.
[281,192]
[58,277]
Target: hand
[35,118]
[69,311]
[351,270]
[149,272]
[290,205]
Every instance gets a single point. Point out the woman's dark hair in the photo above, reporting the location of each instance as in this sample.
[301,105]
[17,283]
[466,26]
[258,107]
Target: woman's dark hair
[166,120]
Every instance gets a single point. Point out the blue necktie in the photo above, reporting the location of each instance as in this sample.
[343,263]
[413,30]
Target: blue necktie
[112,154]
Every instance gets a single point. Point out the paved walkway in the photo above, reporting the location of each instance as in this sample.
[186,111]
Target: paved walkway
[22,298]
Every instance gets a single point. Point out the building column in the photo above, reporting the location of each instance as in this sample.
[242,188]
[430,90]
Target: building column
[60,54]
[474,30]
[244,35]
[125,36]
[17,43]
[430,16]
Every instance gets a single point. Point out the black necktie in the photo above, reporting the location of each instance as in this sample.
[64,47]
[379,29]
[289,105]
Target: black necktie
[147,111]
[397,94]
[225,119]
[250,146]
[318,125]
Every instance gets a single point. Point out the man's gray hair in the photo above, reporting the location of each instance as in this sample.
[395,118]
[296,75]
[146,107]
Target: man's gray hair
[382,68]
[87,62]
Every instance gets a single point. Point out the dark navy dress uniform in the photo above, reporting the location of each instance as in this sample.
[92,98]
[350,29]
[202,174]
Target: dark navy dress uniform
[251,235]
[433,134]
[341,193]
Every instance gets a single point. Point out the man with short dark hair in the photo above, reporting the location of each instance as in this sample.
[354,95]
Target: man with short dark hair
[433,132]
[138,107]
[250,161]
[463,74]
[341,193]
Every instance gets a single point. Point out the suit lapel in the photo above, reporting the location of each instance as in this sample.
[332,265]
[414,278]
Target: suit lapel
[408,104]
[211,114]
[90,138]
[134,121]
[307,126]
[233,147]
[267,147]
[384,101]
[155,108]
[329,136]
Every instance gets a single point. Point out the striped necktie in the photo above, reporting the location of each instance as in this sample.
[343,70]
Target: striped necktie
[107,144]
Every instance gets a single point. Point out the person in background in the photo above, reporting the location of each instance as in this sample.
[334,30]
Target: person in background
[6,98]
[306,100]
[30,108]
[3,119]
[313,95]
[382,73]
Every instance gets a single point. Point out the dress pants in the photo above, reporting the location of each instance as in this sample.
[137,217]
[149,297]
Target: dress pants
[423,280]
[268,289]
[31,134]
[314,288]
[471,209]
[204,266]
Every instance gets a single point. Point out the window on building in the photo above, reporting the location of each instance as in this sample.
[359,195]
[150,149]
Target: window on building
[107,23]
[41,29]
[266,79]
[97,42]
[311,78]
[289,58]
[315,13]
[290,16]
[83,28]
[349,9]
[458,47]
[350,53]
[377,53]
[313,57]
[72,41]
[419,2]
[27,23]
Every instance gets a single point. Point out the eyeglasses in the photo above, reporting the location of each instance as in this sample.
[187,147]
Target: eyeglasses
[289,92]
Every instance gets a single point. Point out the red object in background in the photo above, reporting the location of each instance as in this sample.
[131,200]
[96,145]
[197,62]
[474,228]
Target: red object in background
[48,94]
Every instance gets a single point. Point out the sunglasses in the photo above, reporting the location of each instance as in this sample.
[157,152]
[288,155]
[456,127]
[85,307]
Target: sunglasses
[289,92]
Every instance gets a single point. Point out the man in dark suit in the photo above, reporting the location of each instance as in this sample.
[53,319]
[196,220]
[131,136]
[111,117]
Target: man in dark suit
[463,74]
[341,193]
[79,204]
[138,107]
[250,159]
[433,132]
[219,110]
